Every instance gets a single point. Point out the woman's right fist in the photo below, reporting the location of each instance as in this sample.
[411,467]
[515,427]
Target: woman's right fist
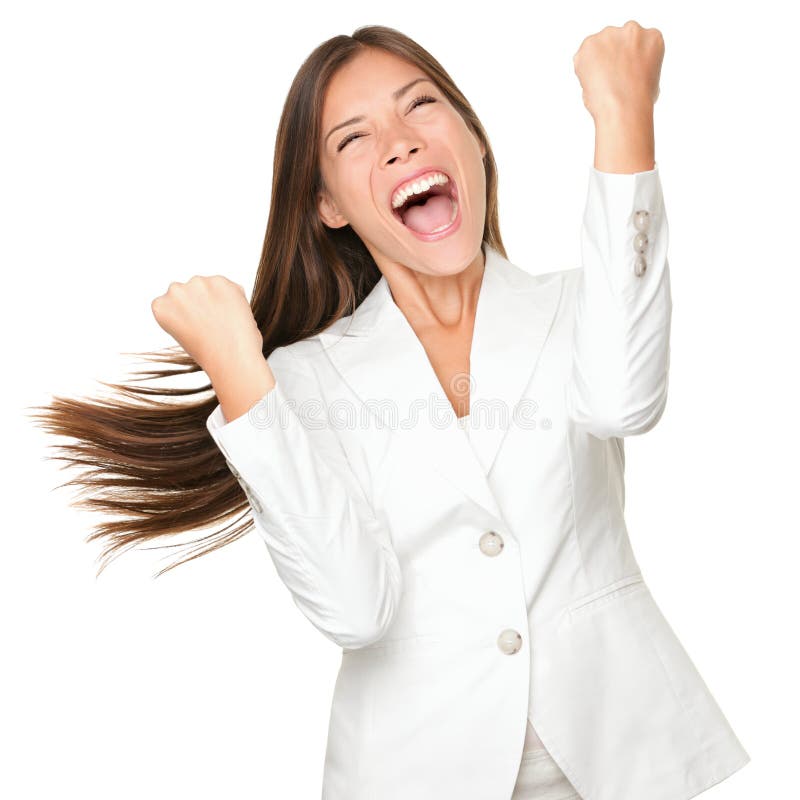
[211,319]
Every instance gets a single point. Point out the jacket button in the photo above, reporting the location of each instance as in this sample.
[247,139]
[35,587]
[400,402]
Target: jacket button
[509,641]
[491,543]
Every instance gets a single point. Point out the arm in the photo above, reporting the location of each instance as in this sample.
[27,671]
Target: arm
[330,550]
[623,307]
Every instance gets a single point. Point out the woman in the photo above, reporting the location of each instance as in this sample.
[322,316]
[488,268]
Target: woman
[430,440]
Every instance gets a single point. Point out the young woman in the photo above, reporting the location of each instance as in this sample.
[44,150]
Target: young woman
[430,440]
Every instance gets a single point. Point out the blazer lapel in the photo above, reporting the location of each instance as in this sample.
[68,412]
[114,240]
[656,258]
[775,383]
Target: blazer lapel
[514,315]
[380,357]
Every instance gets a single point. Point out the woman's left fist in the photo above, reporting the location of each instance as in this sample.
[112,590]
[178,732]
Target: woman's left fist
[619,69]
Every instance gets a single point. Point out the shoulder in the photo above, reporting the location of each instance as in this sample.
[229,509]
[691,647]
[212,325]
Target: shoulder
[571,278]
[559,286]
[303,369]
[293,371]
[306,356]
[518,278]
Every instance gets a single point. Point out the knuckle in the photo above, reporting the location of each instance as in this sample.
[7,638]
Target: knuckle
[159,307]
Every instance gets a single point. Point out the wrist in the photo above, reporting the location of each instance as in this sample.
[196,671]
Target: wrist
[238,385]
[613,111]
[625,140]
[235,369]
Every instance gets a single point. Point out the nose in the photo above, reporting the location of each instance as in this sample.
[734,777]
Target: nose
[409,151]
[400,142]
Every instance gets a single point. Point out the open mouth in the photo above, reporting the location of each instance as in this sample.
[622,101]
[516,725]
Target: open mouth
[430,211]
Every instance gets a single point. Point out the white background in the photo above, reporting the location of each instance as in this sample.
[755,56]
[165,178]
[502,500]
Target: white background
[137,146]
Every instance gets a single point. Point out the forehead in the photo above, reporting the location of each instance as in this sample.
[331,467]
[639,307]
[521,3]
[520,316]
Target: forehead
[368,79]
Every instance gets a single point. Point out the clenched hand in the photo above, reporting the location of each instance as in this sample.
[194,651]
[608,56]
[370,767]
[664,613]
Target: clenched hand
[211,319]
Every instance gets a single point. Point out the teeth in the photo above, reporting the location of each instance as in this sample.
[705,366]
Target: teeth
[418,187]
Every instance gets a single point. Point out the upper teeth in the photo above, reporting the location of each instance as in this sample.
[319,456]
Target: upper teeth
[417,187]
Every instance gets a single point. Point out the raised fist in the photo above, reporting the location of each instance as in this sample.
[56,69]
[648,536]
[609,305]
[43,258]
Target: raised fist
[211,319]
[619,68]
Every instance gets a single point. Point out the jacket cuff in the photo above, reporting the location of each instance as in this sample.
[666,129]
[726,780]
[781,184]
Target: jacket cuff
[625,230]
[256,445]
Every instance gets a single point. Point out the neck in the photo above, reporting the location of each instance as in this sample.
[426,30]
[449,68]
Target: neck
[447,301]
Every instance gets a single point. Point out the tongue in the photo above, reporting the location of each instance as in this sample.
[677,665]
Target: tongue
[435,212]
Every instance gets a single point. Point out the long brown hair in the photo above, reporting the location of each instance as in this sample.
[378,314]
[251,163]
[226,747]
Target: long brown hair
[151,461]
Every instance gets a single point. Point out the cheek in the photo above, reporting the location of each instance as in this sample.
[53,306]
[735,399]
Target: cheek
[354,192]
[460,130]
[361,208]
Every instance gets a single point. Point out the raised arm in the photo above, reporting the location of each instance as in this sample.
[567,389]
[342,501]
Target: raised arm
[623,305]
[334,555]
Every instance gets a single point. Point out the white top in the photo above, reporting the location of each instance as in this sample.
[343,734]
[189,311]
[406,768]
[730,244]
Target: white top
[532,740]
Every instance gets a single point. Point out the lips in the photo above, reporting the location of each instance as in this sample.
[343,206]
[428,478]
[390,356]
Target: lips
[450,187]
[414,175]
[441,232]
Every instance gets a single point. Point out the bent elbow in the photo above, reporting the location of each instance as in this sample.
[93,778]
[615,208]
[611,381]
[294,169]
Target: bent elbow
[605,419]
[371,629]
[371,610]
[643,419]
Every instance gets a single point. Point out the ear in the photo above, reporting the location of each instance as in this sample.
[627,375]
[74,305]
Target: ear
[483,150]
[328,211]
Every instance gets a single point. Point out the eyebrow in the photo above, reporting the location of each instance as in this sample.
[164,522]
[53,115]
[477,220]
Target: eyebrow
[396,95]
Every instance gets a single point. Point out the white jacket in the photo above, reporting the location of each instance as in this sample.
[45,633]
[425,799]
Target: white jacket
[470,589]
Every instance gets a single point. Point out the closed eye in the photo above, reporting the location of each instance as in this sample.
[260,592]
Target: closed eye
[423,99]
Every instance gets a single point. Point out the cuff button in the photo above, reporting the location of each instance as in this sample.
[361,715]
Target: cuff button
[641,220]
[251,497]
[640,266]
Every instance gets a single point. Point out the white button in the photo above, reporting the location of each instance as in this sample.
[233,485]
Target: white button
[641,220]
[509,641]
[491,543]
[640,243]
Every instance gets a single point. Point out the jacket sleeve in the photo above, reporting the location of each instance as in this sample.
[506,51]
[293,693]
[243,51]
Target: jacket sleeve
[329,548]
[623,307]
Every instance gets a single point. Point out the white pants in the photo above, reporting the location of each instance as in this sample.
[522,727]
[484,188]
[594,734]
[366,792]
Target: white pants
[540,778]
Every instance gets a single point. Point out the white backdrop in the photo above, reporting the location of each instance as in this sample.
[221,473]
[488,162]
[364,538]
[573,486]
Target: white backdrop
[137,144]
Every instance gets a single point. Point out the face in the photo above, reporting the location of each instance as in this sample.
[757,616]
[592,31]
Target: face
[401,136]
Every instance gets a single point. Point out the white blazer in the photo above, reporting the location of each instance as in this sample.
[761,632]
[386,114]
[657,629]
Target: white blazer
[470,588]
